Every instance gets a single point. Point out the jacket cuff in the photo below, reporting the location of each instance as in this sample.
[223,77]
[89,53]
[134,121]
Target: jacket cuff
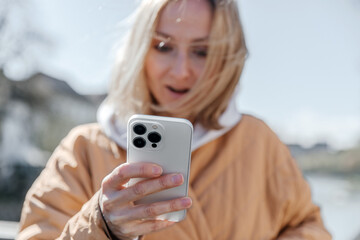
[106,228]
[104,224]
[87,223]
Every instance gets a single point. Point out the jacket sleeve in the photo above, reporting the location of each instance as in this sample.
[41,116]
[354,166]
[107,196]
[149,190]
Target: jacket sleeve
[61,203]
[300,217]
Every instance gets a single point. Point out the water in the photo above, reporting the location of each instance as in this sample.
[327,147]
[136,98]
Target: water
[340,205]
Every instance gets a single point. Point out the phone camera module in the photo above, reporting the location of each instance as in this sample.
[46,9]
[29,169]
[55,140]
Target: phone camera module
[139,129]
[154,137]
[139,142]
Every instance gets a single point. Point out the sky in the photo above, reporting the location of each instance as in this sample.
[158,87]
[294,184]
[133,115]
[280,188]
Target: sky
[302,76]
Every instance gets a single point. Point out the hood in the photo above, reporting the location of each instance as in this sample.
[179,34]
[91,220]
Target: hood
[117,131]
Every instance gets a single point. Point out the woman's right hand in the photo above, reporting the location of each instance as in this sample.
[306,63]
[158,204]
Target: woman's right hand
[126,220]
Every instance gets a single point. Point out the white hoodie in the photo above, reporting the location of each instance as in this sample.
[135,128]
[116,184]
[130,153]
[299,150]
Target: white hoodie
[116,130]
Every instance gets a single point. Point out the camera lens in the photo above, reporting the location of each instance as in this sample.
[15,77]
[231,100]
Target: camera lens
[139,129]
[154,137]
[139,142]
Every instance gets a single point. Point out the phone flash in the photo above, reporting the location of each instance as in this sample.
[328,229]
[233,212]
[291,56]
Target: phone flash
[154,126]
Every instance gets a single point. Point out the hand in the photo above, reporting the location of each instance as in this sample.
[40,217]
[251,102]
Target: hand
[126,220]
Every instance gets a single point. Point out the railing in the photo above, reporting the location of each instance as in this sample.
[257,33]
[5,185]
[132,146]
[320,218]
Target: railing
[8,230]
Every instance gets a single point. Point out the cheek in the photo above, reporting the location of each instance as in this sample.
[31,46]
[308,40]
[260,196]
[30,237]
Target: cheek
[154,72]
[198,68]
[154,68]
[149,68]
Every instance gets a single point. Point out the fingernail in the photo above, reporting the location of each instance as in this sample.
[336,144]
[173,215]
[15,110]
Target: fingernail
[156,170]
[177,178]
[186,202]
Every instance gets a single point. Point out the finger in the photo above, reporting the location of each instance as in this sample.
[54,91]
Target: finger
[149,226]
[151,211]
[124,172]
[124,231]
[146,187]
[122,201]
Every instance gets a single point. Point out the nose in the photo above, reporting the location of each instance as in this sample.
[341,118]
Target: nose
[180,69]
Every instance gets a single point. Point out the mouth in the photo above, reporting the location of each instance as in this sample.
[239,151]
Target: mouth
[178,90]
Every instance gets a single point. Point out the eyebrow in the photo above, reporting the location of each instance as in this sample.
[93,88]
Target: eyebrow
[169,38]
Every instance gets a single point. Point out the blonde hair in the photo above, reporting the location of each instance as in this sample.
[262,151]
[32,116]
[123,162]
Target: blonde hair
[209,97]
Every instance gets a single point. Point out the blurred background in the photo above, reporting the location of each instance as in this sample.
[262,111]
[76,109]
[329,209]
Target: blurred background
[302,77]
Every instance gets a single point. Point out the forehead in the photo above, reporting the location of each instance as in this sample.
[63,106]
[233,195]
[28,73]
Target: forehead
[186,19]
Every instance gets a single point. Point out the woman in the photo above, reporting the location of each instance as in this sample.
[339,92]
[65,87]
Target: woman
[183,59]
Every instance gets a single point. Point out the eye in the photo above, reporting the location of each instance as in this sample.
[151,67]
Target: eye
[163,47]
[200,51]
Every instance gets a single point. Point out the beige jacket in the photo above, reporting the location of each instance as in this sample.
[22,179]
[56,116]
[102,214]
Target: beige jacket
[244,185]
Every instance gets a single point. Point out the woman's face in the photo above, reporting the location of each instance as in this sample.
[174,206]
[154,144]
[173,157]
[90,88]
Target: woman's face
[177,54]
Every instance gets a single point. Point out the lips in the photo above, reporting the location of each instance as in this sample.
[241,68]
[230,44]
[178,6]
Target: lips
[178,90]
[175,93]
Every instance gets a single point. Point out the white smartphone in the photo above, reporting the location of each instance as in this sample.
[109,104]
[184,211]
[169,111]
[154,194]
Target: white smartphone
[165,141]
